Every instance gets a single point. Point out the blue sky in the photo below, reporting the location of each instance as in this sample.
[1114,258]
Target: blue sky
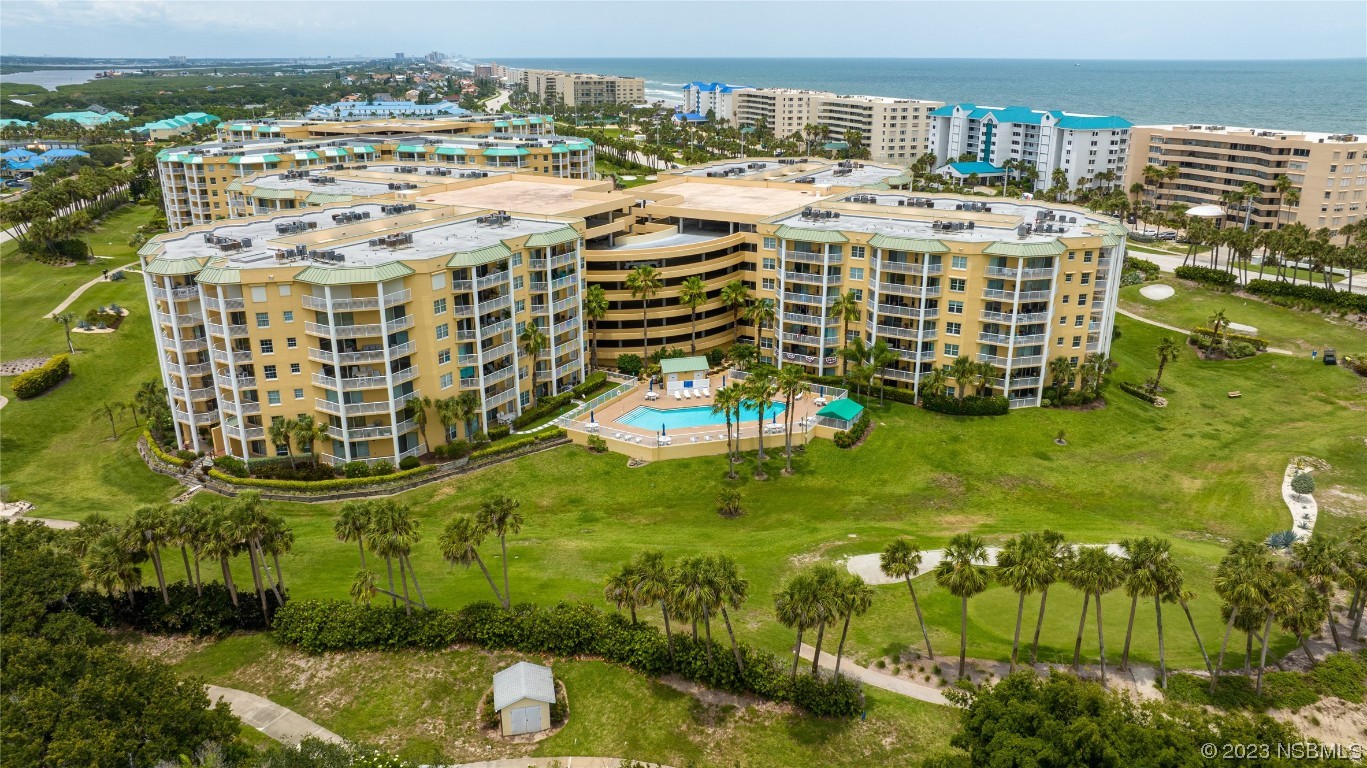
[1076,29]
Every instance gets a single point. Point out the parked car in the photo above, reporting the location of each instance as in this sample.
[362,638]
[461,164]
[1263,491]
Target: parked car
[1331,357]
[1167,235]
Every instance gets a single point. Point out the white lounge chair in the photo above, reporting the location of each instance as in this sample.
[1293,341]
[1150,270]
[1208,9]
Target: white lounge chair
[688,394]
[638,440]
[677,396]
[694,440]
[706,392]
[707,438]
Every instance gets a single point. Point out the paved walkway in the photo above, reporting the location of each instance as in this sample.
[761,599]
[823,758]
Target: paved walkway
[76,294]
[1187,331]
[878,679]
[870,569]
[283,725]
[1304,509]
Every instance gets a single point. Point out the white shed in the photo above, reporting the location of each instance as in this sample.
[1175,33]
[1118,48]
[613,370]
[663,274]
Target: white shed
[523,695]
[684,372]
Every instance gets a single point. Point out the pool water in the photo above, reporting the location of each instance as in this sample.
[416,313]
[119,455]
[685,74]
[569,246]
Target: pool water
[645,417]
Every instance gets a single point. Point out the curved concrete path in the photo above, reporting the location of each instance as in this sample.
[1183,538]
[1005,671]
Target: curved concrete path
[284,725]
[1304,509]
[877,679]
[1186,331]
[869,568]
[76,294]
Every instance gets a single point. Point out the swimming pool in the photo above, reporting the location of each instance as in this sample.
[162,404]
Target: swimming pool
[645,417]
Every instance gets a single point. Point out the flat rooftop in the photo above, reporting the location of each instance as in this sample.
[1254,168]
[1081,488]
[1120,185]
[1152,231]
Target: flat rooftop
[682,238]
[440,238]
[192,245]
[985,229]
[344,184]
[729,198]
[517,195]
[1264,133]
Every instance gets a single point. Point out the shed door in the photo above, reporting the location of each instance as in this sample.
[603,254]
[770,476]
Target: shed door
[525,720]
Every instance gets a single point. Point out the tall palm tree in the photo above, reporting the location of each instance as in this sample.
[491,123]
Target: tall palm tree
[857,351]
[1167,351]
[467,408]
[618,589]
[791,383]
[416,409]
[901,559]
[724,401]
[500,517]
[1238,581]
[106,411]
[963,573]
[1306,618]
[695,596]
[962,370]
[1318,561]
[853,598]
[652,585]
[394,533]
[1141,580]
[1281,596]
[65,319]
[1061,553]
[1217,321]
[147,532]
[763,312]
[735,295]
[732,590]
[186,529]
[221,544]
[759,390]
[827,579]
[881,358]
[280,432]
[532,342]
[459,545]
[693,294]
[308,433]
[1025,565]
[109,564]
[363,588]
[448,413]
[595,309]
[353,523]
[1095,571]
[644,282]
[795,606]
[847,307]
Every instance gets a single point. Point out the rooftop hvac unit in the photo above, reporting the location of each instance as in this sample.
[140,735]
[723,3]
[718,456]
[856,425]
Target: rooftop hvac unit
[246,242]
[374,243]
[970,226]
[1022,231]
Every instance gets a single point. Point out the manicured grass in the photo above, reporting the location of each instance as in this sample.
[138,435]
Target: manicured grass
[54,454]
[1293,330]
[422,706]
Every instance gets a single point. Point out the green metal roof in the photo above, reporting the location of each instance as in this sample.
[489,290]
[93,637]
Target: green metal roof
[1051,248]
[500,123]
[335,152]
[451,150]
[323,198]
[914,244]
[253,159]
[160,266]
[534,120]
[507,151]
[364,148]
[519,121]
[239,127]
[219,276]
[559,149]
[478,256]
[273,194]
[579,146]
[411,148]
[351,275]
[1111,241]
[307,154]
[844,409]
[810,235]
[683,364]
[833,145]
[554,237]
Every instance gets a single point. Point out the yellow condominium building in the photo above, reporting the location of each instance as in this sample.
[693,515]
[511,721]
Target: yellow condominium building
[574,89]
[1329,172]
[892,129]
[349,312]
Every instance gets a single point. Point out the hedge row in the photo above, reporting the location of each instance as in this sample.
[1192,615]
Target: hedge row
[336,484]
[565,630]
[1257,342]
[1208,276]
[1139,392]
[1141,265]
[39,380]
[895,394]
[590,383]
[997,405]
[855,433]
[518,444]
[162,455]
[1352,302]
[210,614]
[544,407]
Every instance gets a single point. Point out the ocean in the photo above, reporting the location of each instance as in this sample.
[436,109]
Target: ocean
[1325,95]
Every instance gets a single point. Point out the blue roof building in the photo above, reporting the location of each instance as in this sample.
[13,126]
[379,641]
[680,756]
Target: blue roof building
[19,159]
[356,110]
[701,97]
[6,122]
[88,117]
[174,126]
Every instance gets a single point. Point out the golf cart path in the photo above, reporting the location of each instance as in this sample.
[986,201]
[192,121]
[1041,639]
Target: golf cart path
[877,679]
[76,294]
[869,568]
[284,725]
[1185,331]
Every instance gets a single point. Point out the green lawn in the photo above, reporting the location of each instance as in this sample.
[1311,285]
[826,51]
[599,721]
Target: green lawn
[54,455]
[1292,330]
[421,705]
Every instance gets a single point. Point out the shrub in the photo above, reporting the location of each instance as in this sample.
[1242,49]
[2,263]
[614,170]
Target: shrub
[596,444]
[33,383]
[544,408]
[592,382]
[1309,294]
[554,433]
[479,437]
[409,462]
[499,432]
[1358,363]
[728,503]
[456,449]
[715,357]
[895,394]
[630,364]
[1288,690]
[162,455]
[1343,675]
[1141,265]
[283,469]
[231,465]
[1303,483]
[1240,349]
[856,432]
[1281,540]
[1207,276]
[502,448]
[1130,277]
[1258,342]
[319,486]
[996,405]
[381,468]
[355,469]
[212,614]
[1138,392]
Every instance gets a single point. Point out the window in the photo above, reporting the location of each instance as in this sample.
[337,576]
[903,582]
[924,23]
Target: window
[267,347]
[958,262]
[444,357]
[1065,298]
[439,307]
[1086,278]
[856,251]
[1068,277]
[951,350]
[294,369]
[953,329]
[273,397]
[957,284]
[1077,321]
[284,289]
[443,331]
[1082,299]
[269,371]
[1063,319]
[956,307]
[1077,342]
[447,380]
[1072,255]
[769,262]
[298,393]
[289,315]
[767,283]
[516,261]
[1060,341]
[263,320]
[858,294]
[1087,257]
[517,282]
[520,306]
[291,342]
[258,293]
[856,273]
[770,243]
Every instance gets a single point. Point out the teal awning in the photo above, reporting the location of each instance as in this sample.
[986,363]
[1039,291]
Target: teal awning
[450,150]
[335,152]
[844,409]
[506,152]
[500,123]
[307,154]
[363,149]
[411,148]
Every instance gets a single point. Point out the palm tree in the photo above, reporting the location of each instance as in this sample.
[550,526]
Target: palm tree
[1167,351]
[459,545]
[790,383]
[963,574]
[795,608]
[759,390]
[1217,321]
[882,357]
[353,523]
[1317,560]
[902,559]
[857,351]
[107,411]
[186,531]
[644,282]
[307,433]
[652,585]
[962,370]
[595,309]
[724,401]
[467,408]
[742,356]
[732,590]
[220,544]
[1141,580]
[363,588]
[1281,596]
[1062,371]
[693,294]
[279,433]
[109,564]
[532,342]
[853,598]
[694,595]
[1306,617]
[500,517]
[846,307]
[618,589]
[826,608]
[66,319]
[394,533]
[735,295]
[1026,565]
[1061,554]
[1095,572]
[147,532]
[762,312]
[1238,581]
[934,384]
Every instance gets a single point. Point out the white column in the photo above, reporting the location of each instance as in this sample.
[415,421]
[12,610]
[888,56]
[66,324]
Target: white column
[388,374]
[337,374]
[1011,345]
[232,379]
[180,353]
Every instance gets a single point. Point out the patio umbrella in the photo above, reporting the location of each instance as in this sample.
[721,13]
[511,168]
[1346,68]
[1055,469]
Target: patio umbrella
[723,379]
[651,384]
[590,417]
[775,421]
[662,429]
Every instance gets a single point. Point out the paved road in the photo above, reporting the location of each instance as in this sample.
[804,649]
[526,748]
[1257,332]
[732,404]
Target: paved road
[495,103]
[284,725]
[1187,331]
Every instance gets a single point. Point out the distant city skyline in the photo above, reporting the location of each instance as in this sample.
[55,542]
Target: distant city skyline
[1053,29]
